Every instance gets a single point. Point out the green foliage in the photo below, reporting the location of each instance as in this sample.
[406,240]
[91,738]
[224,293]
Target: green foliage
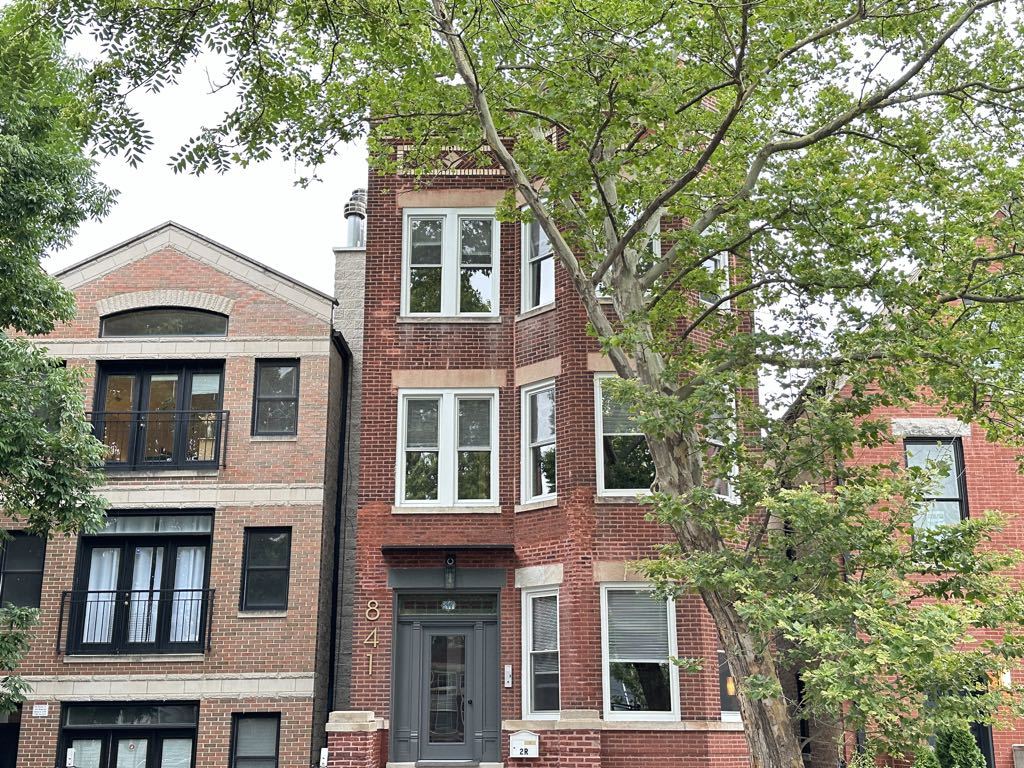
[926,758]
[47,187]
[957,748]
[857,165]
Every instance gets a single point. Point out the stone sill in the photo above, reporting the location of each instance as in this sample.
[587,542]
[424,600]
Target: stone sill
[262,614]
[412,510]
[620,725]
[622,499]
[134,658]
[446,319]
[149,474]
[273,438]
[535,311]
[539,504]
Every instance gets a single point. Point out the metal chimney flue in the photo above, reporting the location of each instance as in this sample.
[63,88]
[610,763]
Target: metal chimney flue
[355,219]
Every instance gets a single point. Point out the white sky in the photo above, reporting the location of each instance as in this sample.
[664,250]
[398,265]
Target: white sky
[256,210]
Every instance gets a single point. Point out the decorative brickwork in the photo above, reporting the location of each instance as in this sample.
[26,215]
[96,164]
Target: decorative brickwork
[164,298]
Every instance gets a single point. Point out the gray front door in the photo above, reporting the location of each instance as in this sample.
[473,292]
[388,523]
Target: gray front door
[448,712]
[446,697]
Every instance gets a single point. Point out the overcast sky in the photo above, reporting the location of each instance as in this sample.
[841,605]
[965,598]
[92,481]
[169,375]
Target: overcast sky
[256,210]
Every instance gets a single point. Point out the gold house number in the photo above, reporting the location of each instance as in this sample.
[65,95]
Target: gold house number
[372,614]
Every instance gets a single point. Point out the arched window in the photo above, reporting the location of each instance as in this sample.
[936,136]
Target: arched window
[165,321]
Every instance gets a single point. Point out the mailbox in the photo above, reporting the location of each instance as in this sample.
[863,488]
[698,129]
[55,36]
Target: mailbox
[524,744]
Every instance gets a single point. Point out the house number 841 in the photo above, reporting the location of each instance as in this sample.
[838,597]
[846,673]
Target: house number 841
[372,614]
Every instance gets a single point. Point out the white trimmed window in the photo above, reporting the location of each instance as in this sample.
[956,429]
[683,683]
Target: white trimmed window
[624,463]
[721,429]
[718,267]
[727,697]
[540,653]
[447,448]
[450,262]
[538,430]
[538,267]
[638,639]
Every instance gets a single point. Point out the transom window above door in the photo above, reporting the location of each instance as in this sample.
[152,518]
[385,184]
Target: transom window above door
[164,321]
[450,262]
[161,416]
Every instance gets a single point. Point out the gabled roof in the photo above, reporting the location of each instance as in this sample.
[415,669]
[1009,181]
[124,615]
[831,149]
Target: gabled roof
[203,249]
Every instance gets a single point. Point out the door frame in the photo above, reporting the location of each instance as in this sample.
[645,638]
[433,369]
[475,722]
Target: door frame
[109,736]
[475,625]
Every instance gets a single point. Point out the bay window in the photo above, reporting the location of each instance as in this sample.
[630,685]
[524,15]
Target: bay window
[624,462]
[540,653]
[538,431]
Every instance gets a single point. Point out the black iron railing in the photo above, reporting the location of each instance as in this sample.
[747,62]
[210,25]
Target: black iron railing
[162,439]
[135,621]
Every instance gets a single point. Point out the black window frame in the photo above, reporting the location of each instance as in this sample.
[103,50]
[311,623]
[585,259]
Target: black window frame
[247,567]
[257,397]
[236,717]
[155,733]
[139,310]
[4,570]
[959,469]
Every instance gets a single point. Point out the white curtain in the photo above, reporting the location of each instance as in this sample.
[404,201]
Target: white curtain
[87,752]
[144,606]
[187,606]
[101,600]
[132,753]
[176,753]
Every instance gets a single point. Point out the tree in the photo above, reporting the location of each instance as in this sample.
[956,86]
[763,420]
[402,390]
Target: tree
[958,749]
[841,171]
[47,187]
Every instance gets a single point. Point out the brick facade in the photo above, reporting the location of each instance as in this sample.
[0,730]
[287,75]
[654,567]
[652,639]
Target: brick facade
[257,661]
[586,538]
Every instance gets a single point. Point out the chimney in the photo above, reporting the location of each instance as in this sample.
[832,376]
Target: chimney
[355,219]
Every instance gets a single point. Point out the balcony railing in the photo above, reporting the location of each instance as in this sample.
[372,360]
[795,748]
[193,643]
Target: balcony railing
[162,439]
[135,621]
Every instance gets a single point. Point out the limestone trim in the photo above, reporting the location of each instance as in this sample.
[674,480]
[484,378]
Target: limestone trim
[545,369]
[179,347]
[619,725]
[412,510]
[530,506]
[616,571]
[212,254]
[930,428]
[127,658]
[133,687]
[449,198]
[355,721]
[123,302]
[539,575]
[427,378]
[221,494]
[598,362]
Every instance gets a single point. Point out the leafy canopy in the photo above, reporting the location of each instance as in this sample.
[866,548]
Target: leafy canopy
[855,162]
[47,187]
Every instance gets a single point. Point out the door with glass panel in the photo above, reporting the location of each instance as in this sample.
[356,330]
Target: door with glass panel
[129,736]
[160,416]
[139,590]
[448,708]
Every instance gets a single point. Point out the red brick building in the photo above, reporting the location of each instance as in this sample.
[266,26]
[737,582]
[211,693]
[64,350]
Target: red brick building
[196,628]
[490,586]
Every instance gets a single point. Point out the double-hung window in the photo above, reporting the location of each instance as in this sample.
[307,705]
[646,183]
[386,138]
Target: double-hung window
[538,267]
[945,502]
[624,463]
[727,696]
[21,569]
[266,565]
[450,262]
[538,430]
[720,428]
[540,653]
[447,448]
[638,640]
[275,409]
[255,740]
[718,267]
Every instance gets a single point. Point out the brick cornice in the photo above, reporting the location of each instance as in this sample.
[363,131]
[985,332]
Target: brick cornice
[164,298]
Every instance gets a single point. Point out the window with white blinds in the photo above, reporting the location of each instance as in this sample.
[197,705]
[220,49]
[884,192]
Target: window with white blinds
[540,634]
[640,681]
[256,740]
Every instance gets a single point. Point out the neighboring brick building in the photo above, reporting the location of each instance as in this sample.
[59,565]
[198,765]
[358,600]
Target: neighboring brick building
[195,629]
[489,597]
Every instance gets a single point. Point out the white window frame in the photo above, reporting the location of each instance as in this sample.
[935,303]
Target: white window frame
[450,253]
[524,458]
[529,593]
[728,715]
[673,670]
[731,497]
[447,469]
[525,272]
[718,262]
[599,443]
